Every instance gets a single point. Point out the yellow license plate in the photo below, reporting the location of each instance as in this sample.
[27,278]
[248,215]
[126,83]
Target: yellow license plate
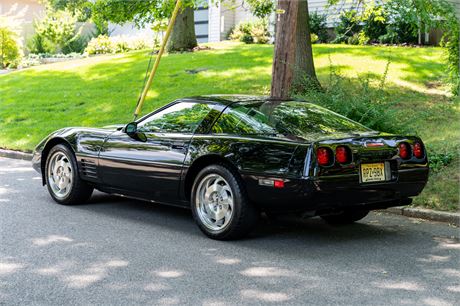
[372,172]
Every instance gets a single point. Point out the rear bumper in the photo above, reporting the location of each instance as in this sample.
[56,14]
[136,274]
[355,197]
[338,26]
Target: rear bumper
[341,192]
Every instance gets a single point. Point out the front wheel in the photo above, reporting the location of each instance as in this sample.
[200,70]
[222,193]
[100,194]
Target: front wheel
[64,184]
[346,217]
[220,204]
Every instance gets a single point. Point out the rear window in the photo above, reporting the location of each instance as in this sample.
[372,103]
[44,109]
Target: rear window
[291,119]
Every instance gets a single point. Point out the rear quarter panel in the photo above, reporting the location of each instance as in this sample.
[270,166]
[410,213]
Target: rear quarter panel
[256,159]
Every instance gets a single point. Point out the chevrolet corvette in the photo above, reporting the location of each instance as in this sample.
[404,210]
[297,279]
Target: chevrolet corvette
[229,158]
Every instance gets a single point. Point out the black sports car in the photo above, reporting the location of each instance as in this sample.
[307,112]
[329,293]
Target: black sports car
[229,158]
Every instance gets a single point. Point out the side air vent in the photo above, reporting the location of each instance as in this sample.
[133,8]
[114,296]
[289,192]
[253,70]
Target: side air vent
[88,168]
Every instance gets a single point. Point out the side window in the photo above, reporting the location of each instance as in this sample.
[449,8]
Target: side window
[182,117]
[242,120]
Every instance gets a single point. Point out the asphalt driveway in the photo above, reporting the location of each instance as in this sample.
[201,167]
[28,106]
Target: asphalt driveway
[121,252]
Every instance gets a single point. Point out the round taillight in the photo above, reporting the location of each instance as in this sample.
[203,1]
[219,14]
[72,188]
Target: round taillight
[404,150]
[418,150]
[343,154]
[324,156]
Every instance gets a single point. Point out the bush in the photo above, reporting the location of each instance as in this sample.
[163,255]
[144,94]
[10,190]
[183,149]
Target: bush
[439,160]
[374,23]
[314,38]
[38,44]
[104,44]
[251,32]
[348,26]
[57,32]
[10,50]
[364,104]
[318,26]
[100,45]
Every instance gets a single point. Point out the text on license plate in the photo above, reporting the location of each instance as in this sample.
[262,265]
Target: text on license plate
[372,172]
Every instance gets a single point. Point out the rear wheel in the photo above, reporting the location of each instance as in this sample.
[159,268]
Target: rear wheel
[61,173]
[220,205]
[346,217]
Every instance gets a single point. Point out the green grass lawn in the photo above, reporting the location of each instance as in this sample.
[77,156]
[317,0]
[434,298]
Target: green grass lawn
[103,90]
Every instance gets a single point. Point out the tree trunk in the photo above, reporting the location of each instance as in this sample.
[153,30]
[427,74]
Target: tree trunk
[183,35]
[304,72]
[284,55]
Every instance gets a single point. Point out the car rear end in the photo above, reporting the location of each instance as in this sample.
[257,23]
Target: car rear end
[375,172]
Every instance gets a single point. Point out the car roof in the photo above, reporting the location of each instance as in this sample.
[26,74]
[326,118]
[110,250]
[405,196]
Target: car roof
[227,99]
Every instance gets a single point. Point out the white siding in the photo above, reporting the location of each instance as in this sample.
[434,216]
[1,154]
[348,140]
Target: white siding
[214,22]
[227,21]
[242,12]
[129,29]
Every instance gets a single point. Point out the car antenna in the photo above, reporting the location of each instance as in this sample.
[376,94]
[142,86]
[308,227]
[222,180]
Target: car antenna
[148,84]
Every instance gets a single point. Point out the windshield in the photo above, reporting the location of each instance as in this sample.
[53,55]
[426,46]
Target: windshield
[291,119]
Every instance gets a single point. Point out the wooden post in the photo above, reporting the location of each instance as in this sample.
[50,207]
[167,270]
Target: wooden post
[285,43]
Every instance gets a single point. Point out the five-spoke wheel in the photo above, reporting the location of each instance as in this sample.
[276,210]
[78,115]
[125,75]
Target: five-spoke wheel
[220,204]
[61,173]
[214,201]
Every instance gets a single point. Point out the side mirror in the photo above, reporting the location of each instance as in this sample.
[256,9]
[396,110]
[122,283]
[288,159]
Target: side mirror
[131,130]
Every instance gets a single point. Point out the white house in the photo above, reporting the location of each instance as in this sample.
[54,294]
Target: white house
[212,23]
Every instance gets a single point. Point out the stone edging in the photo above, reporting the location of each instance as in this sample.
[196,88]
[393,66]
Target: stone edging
[427,214]
[15,154]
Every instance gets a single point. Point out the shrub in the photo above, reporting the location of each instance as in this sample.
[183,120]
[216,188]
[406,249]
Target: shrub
[58,32]
[100,45]
[452,58]
[104,44]
[318,26]
[314,38]
[362,103]
[353,40]
[39,44]
[10,49]
[439,160]
[348,26]
[251,32]
[374,23]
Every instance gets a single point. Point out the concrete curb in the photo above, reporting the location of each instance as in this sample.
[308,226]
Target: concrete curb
[15,154]
[427,214]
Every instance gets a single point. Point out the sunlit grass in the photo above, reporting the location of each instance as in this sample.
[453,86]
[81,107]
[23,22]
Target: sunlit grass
[104,89]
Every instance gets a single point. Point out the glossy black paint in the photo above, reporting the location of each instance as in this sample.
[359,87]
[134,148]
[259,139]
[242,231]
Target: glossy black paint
[162,169]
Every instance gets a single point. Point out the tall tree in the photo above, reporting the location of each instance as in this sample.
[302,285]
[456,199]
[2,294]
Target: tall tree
[304,70]
[293,66]
[141,12]
[183,35]
[284,54]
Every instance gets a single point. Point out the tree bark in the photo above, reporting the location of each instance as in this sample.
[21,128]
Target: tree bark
[284,55]
[304,73]
[183,35]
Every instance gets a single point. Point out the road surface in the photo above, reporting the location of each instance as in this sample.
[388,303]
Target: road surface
[114,251]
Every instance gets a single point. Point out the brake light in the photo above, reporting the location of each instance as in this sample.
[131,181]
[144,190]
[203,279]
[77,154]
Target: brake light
[404,150]
[278,184]
[418,150]
[324,156]
[343,154]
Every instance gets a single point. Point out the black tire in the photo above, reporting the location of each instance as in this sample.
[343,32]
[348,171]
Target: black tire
[79,190]
[346,217]
[244,214]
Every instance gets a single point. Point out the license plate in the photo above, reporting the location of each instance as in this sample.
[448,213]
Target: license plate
[372,172]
